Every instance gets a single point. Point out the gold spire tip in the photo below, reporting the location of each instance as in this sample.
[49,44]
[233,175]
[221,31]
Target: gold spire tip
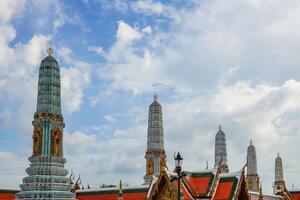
[49,50]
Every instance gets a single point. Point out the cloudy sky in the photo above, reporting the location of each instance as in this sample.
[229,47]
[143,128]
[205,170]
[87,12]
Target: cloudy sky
[229,62]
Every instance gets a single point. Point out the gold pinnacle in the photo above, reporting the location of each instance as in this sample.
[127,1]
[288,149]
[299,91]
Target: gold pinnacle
[49,50]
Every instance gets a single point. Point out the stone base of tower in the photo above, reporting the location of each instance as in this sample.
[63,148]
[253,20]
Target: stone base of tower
[253,182]
[47,180]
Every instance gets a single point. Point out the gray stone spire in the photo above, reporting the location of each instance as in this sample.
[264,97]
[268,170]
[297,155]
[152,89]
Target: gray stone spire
[221,151]
[48,98]
[278,169]
[279,183]
[252,175]
[155,154]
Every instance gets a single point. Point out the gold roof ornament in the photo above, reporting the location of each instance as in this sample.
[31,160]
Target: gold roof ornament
[49,50]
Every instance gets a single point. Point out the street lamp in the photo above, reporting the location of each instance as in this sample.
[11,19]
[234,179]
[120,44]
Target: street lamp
[178,162]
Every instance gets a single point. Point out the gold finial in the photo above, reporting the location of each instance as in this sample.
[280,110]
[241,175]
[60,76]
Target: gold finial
[49,50]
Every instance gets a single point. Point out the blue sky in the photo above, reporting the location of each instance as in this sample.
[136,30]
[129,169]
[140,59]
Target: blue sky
[212,62]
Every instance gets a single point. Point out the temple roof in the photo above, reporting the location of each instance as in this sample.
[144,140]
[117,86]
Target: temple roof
[128,193]
[202,181]
[208,184]
[295,194]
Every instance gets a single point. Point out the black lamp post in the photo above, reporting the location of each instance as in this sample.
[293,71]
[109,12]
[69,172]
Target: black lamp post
[178,162]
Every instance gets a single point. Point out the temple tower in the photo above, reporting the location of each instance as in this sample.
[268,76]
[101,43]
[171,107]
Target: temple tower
[252,175]
[279,183]
[221,151]
[46,174]
[120,195]
[155,154]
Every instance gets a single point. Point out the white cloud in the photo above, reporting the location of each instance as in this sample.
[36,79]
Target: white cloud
[10,9]
[19,69]
[149,7]
[108,158]
[147,29]
[109,118]
[97,50]
[126,34]
[119,5]
[74,79]
[210,39]
[72,92]
[11,161]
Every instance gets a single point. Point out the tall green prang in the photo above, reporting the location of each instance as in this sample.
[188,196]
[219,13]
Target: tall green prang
[46,174]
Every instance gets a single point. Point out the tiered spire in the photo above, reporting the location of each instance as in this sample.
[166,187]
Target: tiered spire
[279,183]
[48,98]
[221,151]
[252,175]
[155,154]
[47,175]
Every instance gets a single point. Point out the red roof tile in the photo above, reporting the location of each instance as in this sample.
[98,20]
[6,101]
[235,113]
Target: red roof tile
[112,194]
[224,190]
[7,196]
[128,196]
[200,185]
[295,195]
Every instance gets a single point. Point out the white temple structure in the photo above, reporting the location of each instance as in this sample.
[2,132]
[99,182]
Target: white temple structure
[155,154]
[252,175]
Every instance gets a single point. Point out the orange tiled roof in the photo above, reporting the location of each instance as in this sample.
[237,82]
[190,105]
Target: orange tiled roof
[295,195]
[8,194]
[226,188]
[201,182]
[138,193]
[129,196]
